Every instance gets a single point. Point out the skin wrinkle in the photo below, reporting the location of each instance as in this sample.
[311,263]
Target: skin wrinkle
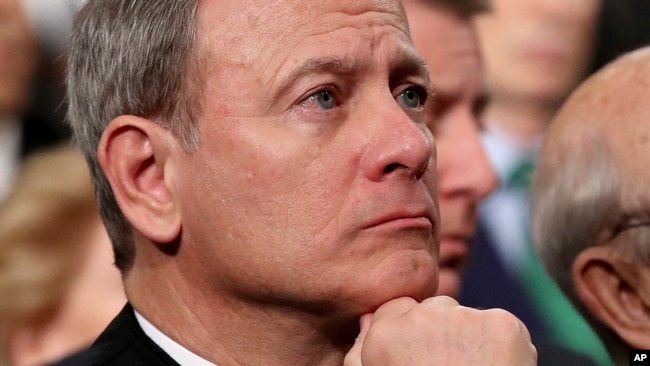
[370,44]
[279,40]
[345,63]
[367,28]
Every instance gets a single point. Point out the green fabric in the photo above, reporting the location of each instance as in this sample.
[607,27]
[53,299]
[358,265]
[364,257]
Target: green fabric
[565,324]
[520,176]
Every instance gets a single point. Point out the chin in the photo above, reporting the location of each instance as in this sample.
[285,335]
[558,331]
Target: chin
[415,277]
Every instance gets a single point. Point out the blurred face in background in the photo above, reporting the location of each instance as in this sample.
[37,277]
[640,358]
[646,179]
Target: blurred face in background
[537,49]
[17,57]
[449,46]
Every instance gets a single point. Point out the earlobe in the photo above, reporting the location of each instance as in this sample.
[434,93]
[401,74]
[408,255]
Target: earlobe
[136,156]
[612,290]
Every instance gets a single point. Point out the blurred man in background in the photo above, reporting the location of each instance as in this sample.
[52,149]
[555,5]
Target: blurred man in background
[33,38]
[443,33]
[17,68]
[591,207]
[535,52]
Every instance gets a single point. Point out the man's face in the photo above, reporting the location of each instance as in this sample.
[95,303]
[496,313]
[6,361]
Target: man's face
[537,48]
[449,46]
[313,185]
[17,57]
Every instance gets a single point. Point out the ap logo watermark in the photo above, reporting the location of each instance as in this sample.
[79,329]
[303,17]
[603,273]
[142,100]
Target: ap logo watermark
[639,357]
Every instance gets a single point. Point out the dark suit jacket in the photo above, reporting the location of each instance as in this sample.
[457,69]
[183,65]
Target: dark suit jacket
[487,284]
[123,343]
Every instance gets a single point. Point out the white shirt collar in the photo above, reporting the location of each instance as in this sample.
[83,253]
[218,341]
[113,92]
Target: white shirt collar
[179,353]
[505,152]
[10,142]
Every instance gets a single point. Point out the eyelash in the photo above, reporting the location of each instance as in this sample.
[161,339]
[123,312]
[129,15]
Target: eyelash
[311,100]
[422,92]
[324,89]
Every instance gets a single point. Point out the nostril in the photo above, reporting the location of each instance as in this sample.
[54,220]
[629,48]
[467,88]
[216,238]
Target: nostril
[391,168]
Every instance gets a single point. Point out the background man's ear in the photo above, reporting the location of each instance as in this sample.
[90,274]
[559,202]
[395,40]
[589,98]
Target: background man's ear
[616,292]
[135,154]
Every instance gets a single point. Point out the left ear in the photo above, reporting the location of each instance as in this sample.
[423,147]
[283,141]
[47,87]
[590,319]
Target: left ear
[136,156]
[615,292]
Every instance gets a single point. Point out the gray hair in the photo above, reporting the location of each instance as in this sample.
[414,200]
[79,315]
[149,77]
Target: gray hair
[131,57]
[576,194]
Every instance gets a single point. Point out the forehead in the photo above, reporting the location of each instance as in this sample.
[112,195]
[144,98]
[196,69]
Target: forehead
[235,22]
[614,104]
[447,43]
[261,56]
[629,139]
[249,31]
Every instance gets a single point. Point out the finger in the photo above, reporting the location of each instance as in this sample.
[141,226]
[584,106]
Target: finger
[524,330]
[365,322]
[395,307]
[505,316]
[353,357]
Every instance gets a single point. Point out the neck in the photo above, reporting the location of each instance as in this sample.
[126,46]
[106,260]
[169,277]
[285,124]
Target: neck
[229,330]
[523,119]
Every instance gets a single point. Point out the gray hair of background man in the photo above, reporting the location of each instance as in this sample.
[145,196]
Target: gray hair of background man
[131,58]
[574,198]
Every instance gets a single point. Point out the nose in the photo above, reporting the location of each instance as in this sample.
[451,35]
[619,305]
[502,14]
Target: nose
[396,145]
[463,165]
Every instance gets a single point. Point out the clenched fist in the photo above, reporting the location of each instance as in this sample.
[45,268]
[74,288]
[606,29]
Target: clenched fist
[438,331]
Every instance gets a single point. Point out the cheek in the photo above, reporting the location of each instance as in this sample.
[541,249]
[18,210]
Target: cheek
[276,192]
[311,197]
[266,215]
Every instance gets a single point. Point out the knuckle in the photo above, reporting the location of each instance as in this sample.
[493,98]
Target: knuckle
[505,318]
[441,301]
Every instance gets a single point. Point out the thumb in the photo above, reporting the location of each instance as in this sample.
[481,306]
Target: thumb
[365,322]
[353,357]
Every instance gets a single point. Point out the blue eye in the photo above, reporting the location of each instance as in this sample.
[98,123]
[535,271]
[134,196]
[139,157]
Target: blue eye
[411,98]
[324,98]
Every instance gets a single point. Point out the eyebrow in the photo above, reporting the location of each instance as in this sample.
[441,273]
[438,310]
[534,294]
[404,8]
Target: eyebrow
[316,65]
[409,65]
[414,65]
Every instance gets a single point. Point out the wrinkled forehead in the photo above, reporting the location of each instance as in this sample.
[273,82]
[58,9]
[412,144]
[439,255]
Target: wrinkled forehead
[235,23]
[283,10]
